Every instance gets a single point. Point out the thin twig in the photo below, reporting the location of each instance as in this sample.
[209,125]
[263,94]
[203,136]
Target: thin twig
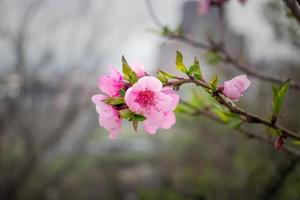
[294,7]
[227,58]
[207,113]
[249,117]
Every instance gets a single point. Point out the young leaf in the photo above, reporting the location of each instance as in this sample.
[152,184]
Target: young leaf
[213,83]
[166,74]
[114,100]
[195,70]
[128,73]
[179,63]
[278,97]
[162,78]
[126,114]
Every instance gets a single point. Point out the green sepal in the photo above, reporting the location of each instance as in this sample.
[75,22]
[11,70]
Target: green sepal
[126,114]
[139,118]
[114,101]
[122,92]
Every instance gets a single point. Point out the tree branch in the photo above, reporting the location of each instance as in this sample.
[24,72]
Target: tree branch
[206,111]
[226,57]
[294,7]
[248,117]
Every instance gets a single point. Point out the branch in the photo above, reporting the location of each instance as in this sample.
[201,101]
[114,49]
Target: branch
[248,117]
[294,7]
[206,111]
[275,184]
[227,58]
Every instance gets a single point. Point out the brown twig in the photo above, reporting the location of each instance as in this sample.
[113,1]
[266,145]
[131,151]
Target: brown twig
[294,7]
[249,117]
[207,113]
[226,57]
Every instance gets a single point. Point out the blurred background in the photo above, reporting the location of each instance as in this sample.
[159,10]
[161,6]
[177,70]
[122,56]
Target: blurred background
[51,146]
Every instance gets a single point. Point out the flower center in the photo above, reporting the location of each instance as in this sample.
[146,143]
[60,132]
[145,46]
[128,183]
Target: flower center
[146,98]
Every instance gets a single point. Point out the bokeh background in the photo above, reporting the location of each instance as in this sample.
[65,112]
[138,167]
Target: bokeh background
[51,146]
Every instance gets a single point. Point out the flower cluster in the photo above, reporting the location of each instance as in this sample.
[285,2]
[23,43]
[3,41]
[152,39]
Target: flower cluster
[137,97]
[204,6]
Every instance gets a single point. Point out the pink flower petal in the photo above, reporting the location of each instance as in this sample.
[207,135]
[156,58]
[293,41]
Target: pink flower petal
[169,120]
[139,69]
[235,87]
[175,97]
[111,84]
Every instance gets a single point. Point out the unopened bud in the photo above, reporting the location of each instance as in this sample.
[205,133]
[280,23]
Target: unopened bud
[279,142]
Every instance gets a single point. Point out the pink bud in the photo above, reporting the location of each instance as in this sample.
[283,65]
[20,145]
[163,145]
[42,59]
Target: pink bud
[234,88]
[204,7]
[279,142]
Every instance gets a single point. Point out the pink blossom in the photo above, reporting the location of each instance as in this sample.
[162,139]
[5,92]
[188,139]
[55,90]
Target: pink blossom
[147,97]
[234,88]
[108,116]
[139,69]
[111,84]
[204,6]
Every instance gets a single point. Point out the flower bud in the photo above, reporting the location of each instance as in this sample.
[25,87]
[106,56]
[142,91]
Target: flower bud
[279,142]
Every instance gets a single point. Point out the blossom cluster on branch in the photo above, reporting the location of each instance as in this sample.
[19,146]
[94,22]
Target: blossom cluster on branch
[139,97]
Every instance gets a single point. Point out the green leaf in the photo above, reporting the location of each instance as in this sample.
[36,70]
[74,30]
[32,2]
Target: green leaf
[214,83]
[179,63]
[162,78]
[213,58]
[114,100]
[139,118]
[166,74]
[128,73]
[195,70]
[278,97]
[126,114]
